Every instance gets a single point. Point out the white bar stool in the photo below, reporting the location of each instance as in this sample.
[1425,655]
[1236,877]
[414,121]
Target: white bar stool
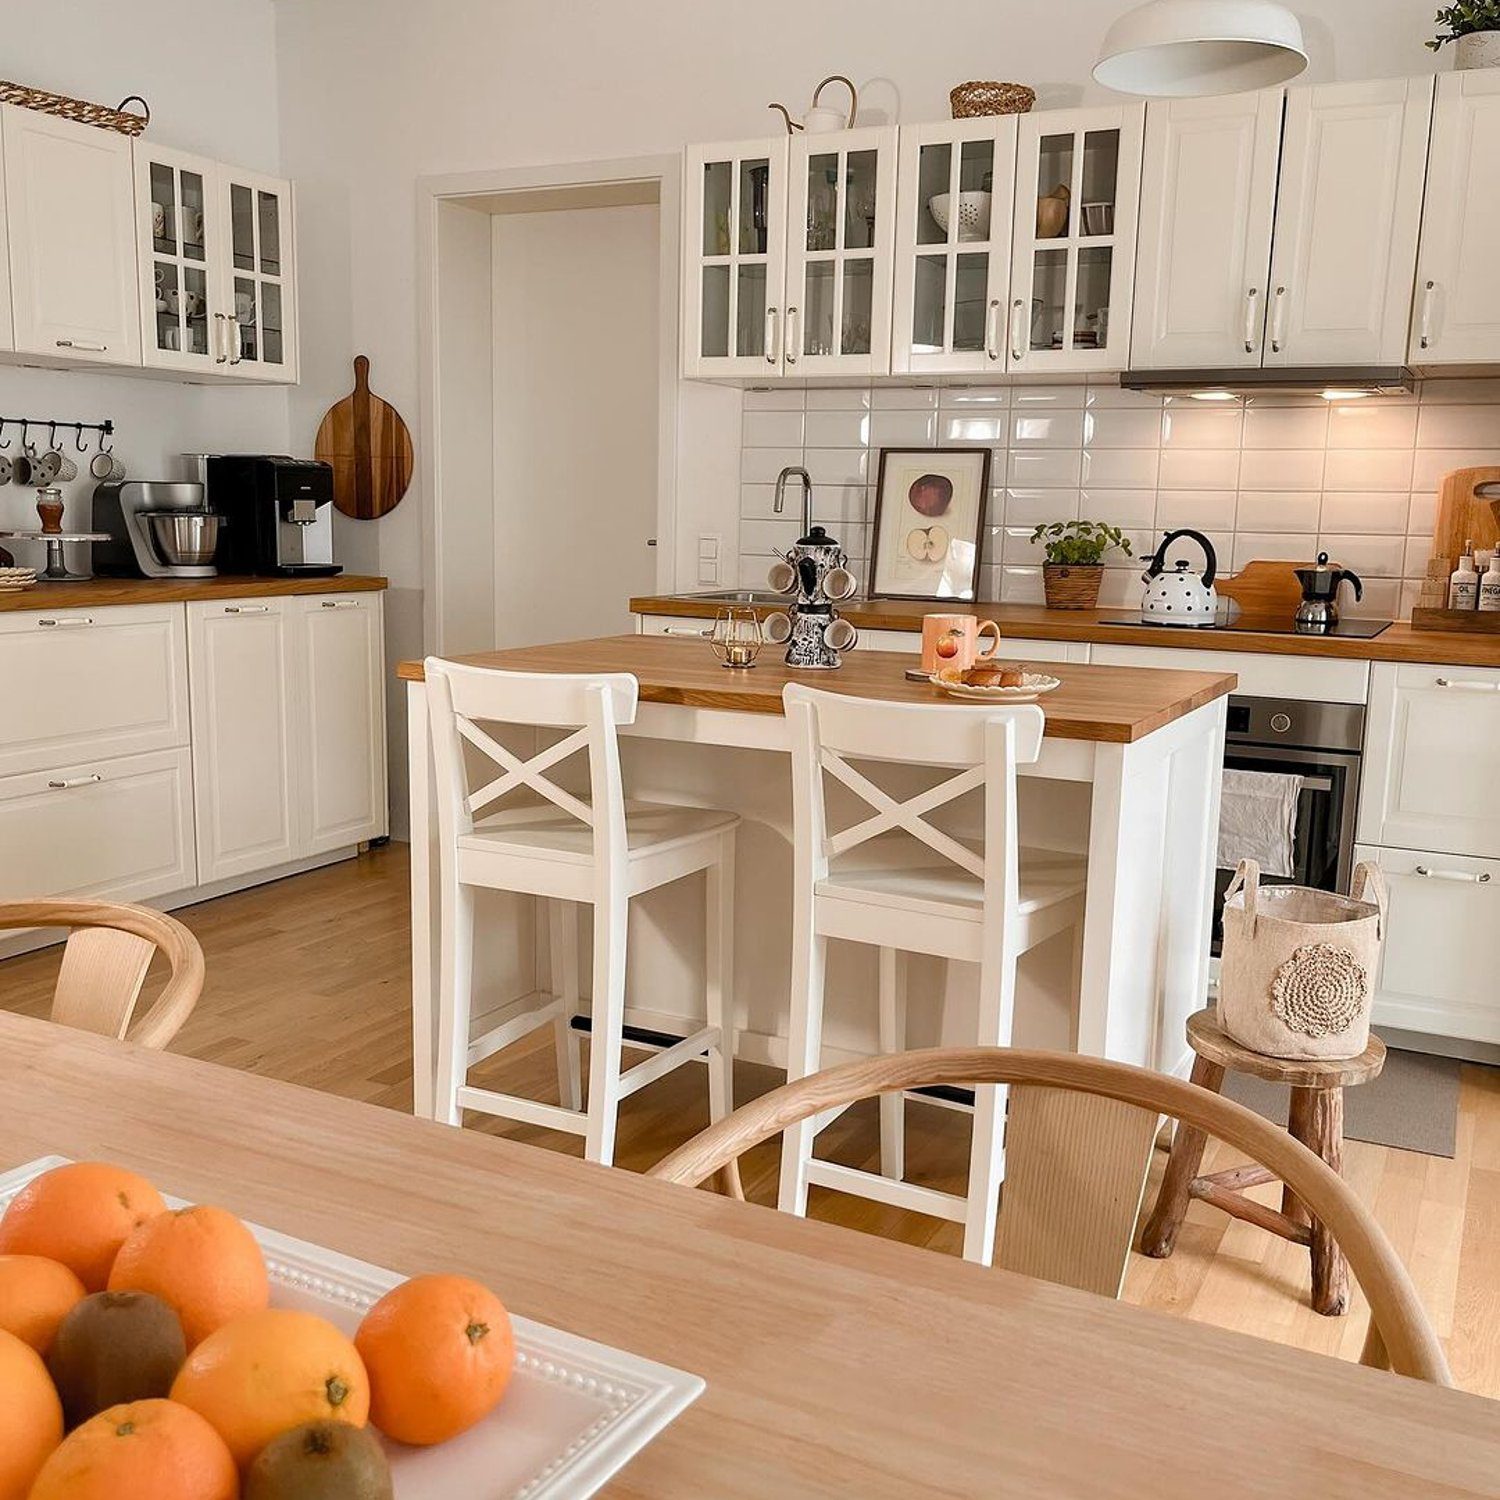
[929,892]
[567,852]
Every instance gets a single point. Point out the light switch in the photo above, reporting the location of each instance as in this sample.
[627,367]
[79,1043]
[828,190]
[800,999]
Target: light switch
[708,557]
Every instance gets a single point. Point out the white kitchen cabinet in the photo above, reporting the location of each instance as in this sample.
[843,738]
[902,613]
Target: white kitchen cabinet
[340,650]
[257,230]
[1348,215]
[70,239]
[1208,203]
[1071,292]
[1437,972]
[1432,749]
[91,683]
[111,829]
[247,773]
[1458,293]
[952,285]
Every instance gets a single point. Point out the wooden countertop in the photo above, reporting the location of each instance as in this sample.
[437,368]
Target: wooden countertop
[1035,622]
[100,593]
[837,1363]
[1116,705]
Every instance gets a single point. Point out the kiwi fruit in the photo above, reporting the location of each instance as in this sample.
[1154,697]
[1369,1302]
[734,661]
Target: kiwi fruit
[320,1461]
[114,1347]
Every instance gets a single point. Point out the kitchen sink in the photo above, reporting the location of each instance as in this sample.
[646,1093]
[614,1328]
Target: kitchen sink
[737,596]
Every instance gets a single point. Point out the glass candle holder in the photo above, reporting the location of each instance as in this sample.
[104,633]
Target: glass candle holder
[737,637]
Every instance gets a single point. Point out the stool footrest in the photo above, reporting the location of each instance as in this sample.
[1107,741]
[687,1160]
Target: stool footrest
[1238,1178]
[1239,1207]
[886,1190]
[690,1049]
[528,1111]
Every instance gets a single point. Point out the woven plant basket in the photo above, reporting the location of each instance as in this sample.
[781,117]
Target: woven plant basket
[981,98]
[1072,585]
[81,111]
[1297,974]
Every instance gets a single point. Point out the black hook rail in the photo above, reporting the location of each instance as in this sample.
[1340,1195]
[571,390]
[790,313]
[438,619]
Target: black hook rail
[105,429]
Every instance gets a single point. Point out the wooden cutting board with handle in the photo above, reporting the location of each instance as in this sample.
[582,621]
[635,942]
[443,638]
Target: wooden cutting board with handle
[369,447]
[1468,511]
[1267,589]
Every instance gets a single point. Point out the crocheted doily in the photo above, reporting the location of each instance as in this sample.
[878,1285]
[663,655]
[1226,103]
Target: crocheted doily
[1320,990]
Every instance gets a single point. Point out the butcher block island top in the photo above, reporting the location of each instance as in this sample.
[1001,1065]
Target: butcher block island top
[1109,705]
[100,593]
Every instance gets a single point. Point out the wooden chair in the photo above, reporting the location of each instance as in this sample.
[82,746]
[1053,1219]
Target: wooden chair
[981,902]
[1315,1117]
[1078,1139]
[105,962]
[568,852]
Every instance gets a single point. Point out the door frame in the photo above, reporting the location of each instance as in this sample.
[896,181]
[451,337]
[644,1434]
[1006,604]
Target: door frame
[571,184]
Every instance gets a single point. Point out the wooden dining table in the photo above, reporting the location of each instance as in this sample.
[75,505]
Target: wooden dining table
[837,1363]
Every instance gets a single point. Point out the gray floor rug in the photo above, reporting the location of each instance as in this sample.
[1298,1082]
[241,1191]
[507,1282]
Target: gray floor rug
[1412,1106]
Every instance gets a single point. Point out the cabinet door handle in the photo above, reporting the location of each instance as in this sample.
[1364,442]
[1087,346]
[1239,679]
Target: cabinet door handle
[234,333]
[342,604]
[66,784]
[773,336]
[685,630]
[69,622]
[82,344]
[1468,686]
[247,609]
[1460,875]
[1278,320]
[793,335]
[1252,305]
[1428,290]
[992,331]
[221,338]
[1016,307]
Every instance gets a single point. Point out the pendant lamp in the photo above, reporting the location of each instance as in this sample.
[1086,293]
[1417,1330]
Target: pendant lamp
[1182,48]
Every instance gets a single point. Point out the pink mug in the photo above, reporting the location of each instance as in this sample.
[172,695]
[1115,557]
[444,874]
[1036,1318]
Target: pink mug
[951,642]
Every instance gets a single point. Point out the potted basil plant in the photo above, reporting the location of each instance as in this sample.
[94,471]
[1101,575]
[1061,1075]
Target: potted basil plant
[1074,565]
[1475,26]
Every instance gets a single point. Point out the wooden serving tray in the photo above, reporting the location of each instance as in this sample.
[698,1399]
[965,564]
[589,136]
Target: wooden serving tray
[1472,621]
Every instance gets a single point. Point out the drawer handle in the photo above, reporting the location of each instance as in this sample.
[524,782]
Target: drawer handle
[82,344]
[684,630]
[71,620]
[68,784]
[247,609]
[342,604]
[1460,875]
[1469,686]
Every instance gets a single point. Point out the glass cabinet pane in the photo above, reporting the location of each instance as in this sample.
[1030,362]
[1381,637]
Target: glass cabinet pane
[976,172]
[1054,208]
[1091,304]
[713,336]
[930,305]
[270,233]
[859,287]
[818,311]
[163,209]
[168,305]
[970,292]
[750,310]
[273,332]
[191,216]
[194,335]
[934,178]
[1101,174]
[244,316]
[717,178]
[754,206]
[859,201]
[1049,295]
[822,201]
[242,227]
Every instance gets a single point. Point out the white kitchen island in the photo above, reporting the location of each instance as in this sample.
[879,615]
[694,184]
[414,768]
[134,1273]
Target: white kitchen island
[1129,774]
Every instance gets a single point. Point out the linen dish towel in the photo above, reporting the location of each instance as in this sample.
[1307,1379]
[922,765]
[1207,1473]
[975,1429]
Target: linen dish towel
[1258,820]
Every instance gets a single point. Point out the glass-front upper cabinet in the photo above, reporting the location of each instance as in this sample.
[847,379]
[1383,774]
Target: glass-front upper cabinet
[734,255]
[260,310]
[180,259]
[1073,254]
[841,217]
[953,246]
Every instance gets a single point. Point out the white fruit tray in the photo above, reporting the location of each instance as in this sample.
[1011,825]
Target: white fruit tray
[574,1414]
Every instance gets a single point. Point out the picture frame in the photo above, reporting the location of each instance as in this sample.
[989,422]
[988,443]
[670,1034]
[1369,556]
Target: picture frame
[928,529]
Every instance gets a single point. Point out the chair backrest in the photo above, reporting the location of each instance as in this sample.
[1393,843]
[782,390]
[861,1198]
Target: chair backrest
[105,962]
[1070,1119]
[461,699]
[982,745]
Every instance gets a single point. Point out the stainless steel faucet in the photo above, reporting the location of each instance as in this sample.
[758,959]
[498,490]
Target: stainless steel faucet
[806,478]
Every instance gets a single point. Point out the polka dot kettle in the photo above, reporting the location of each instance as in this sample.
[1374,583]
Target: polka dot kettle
[1178,595]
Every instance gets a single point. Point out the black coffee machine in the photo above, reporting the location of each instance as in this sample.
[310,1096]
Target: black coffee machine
[278,514]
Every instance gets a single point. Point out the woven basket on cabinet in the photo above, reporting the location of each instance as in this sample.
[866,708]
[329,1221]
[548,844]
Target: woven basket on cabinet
[80,111]
[985,98]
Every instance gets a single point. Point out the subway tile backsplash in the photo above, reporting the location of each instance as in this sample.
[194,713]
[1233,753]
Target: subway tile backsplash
[1273,478]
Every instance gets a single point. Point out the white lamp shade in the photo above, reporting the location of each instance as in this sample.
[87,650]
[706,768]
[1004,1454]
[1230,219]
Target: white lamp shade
[1183,48]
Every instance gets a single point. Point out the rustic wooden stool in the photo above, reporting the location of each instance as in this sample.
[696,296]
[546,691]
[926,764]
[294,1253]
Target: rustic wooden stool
[1315,1117]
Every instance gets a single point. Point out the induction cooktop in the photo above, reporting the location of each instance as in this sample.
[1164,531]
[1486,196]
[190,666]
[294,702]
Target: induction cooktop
[1348,630]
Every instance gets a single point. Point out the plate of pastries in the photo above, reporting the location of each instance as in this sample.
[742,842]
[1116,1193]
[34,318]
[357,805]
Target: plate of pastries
[994,682]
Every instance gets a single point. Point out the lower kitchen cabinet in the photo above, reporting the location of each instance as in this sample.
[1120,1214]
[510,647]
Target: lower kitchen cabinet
[113,829]
[1437,970]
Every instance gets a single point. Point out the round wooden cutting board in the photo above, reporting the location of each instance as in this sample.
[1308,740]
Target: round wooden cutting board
[369,447]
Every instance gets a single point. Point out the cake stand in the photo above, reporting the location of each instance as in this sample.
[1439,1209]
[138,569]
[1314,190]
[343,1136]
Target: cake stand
[56,570]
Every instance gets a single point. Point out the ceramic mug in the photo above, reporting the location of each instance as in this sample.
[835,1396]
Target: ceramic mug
[106,465]
[188,302]
[951,642]
[158,220]
[190,220]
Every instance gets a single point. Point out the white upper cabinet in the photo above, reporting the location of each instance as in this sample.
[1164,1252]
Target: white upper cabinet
[1078,177]
[178,232]
[1458,291]
[1208,202]
[257,233]
[734,259]
[71,239]
[1349,210]
[956,187]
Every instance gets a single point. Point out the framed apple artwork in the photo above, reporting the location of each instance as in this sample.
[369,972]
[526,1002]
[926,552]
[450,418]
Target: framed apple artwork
[929,523]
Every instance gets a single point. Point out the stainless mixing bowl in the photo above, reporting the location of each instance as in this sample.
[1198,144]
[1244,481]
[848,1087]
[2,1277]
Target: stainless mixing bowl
[185,538]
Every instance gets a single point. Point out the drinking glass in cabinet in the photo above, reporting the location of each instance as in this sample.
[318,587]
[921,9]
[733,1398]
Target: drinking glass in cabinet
[859,200]
[822,202]
[859,288]
[717,176]
[754,208]
[819,309]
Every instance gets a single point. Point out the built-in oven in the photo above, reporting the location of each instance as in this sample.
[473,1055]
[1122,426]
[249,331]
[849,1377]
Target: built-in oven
[1320,743]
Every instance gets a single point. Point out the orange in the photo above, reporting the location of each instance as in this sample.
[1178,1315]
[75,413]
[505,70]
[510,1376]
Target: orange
[31,1419]
[440,1352]
[79,1214]
[36,1294]
[202,1262]
[154,1448]
[271,1370]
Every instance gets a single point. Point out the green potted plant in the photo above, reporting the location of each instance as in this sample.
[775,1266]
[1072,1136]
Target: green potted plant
[1475,26]
[1074,565]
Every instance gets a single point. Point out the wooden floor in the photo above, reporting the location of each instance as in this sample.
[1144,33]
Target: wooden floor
[308,981]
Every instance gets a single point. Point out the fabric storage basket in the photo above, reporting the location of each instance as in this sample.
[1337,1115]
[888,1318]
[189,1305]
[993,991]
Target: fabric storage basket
[1298,969]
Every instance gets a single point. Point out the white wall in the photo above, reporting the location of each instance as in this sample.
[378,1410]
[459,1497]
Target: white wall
[180,55]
